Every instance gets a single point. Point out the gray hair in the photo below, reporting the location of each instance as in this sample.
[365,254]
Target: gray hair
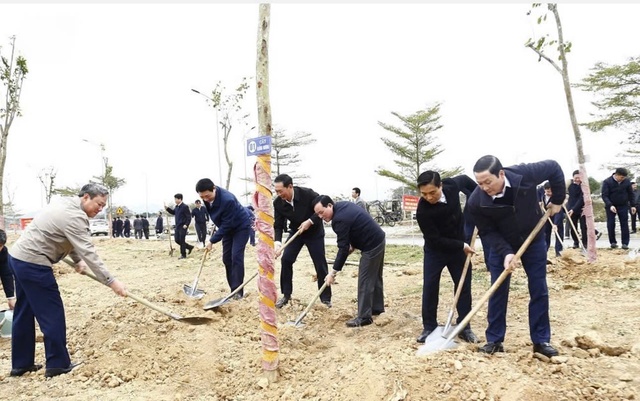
[93,189]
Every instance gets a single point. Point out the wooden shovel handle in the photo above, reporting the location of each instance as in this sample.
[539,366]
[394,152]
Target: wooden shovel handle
[467,262]
[287,243]
[313,301]
[500,278]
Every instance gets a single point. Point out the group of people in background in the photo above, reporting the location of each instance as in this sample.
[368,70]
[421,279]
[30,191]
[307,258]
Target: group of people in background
[122,227]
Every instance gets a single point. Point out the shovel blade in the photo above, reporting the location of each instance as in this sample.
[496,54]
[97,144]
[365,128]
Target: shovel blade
[216,303]
[188,290]
[436,342]
[196,320]
[295,324]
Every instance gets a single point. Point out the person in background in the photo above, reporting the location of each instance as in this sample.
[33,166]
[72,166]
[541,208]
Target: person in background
[618,200]
[505,209]
[355,194]
[58,230]
[182,221]
[159,224]
[6,275]
[234,226]
[145,226]
[441,221]
[137,227]
[356,229]
[201,218]
[575,206]
[252,233]
[127,227]
[634,216]
[294,204]
[556,223]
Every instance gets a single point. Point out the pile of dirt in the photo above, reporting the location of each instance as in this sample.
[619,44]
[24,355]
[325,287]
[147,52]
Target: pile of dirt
[132,352]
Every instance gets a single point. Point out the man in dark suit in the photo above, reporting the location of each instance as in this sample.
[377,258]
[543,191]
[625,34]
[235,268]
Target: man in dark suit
[201,217]
[505,209]
[294,204]
[127,227]
[441,221]
[356,229]
[617,195]
[234,225]
[182,221]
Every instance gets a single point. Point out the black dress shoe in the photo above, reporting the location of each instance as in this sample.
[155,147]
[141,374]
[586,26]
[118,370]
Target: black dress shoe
[491,348]
[377,312]
[20,371]
[423,336]
[182,257]
[283,301]
[189,250]
[359,321]
[625,247]
[467,336]
[545,349]
[50,372]
[614,246]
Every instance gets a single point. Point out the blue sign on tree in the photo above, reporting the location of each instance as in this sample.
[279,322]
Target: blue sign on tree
[258,146]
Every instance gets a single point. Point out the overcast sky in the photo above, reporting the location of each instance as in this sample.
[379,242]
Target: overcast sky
[122,75]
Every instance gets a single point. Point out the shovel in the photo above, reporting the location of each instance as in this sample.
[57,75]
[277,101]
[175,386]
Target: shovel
[287,243]
[297,322]
[447,325]
[575,231]
[191,290]
[448,342]
[221,301]
[169,232]
[189,320]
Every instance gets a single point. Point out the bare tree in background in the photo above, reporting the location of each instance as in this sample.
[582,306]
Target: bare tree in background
[12,73]
[540,47]
[47,177]
[285,152]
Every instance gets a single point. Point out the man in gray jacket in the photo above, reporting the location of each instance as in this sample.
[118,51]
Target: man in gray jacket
[59,230]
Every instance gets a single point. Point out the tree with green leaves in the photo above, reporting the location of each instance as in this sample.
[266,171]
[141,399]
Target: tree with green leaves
[414,145]
[285,152]
[618,90]
[12,74]
[560,48]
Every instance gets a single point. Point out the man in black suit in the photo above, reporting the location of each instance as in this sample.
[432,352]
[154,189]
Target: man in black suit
[294,204]
[182,221]
[618,198]
[201,217]
[442,223]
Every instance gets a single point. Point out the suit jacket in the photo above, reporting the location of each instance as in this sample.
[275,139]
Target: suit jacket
[302,210]
[182,215]
[227,214]
[505,227]
[617,194]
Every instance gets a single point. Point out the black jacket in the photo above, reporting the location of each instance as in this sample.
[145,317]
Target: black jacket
[442,225]
[506,227]
[182,215]
[6,274]
[302,210]
[617,194]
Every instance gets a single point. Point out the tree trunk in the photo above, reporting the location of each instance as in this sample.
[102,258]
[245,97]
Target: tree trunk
[262,199]
[588,204]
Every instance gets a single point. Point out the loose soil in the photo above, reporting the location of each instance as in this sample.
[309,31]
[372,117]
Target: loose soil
[131,352]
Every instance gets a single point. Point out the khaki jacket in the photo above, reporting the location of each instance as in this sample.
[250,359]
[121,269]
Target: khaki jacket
[58,230]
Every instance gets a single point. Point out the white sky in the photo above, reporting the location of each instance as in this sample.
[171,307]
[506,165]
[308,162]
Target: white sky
[121,75]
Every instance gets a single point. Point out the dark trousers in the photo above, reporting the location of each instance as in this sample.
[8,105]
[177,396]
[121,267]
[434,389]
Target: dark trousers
[201,231]
[534,261]
[434,262]
[252,237]
[623,216]
[315,246]
[557,219]
[576,218]
[180,236]
[634,217]
[37,297]
[370,286]
[233,246]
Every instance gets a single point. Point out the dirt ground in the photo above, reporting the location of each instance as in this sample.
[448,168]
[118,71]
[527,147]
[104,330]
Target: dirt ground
[131,352]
